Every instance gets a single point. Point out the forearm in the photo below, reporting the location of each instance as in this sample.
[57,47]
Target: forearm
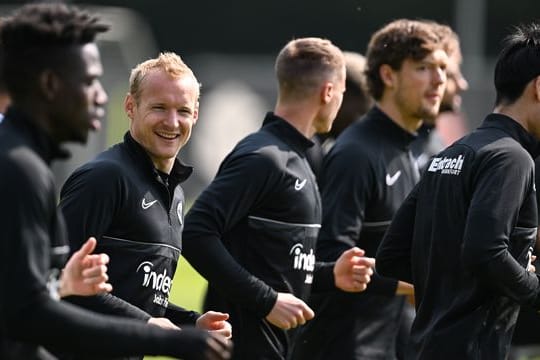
[180,316]
[66,328]
[509,278]
[213,261]
[323,277]
[110,305]
[393,258]
[381,285]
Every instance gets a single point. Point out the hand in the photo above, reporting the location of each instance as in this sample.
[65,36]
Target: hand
[215,322]
[220,348]
[162,323]
[85,273]
[404,288]
[289,312]
[352,271]
[196,344]
[530,266]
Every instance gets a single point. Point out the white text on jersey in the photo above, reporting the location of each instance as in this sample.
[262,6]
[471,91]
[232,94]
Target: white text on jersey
[445,165]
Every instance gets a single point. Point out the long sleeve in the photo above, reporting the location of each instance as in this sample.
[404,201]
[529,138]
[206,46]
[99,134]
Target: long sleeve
[89,200]
[236,189]
[394,254]
[502,183]
[88,212]
[30,227]
[180,316]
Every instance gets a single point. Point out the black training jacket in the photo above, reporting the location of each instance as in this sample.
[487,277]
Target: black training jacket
[464,238]
[122,200]
[365,178]
[252,233]
[33,247]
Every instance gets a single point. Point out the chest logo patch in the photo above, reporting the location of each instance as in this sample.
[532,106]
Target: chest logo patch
[180,212]
[446,165]
[145,205]
[298,185]
[391,180]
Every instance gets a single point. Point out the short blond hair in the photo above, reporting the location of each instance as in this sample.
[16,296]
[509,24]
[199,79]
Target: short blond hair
[168,62]
[303,63]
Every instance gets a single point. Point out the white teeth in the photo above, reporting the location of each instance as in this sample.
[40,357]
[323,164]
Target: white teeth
[167,136]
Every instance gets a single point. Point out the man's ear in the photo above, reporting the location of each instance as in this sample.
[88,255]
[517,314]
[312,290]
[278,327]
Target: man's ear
[387,75]
[49,84]
[129,105]
[327,92]
[537,88]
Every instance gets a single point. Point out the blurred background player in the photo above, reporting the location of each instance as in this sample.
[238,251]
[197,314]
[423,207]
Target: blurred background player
[438,132]
[365,178]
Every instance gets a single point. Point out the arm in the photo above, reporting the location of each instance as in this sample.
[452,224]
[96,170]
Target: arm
[351,272]
[180,316]
[88,213]
[491,220]
[241,183]
[346,191]
[394,253]
[27,311]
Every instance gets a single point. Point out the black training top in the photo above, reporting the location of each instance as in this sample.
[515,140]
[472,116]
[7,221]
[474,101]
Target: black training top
[136,215]
[33,248]
[464,237]
[264,207]
[365,177]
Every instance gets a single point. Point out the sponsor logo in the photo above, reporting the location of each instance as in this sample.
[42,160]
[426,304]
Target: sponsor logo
[145,205]
[391,180]
[161,300]
[160,282]
[445,165]
[298,185]
[303,261]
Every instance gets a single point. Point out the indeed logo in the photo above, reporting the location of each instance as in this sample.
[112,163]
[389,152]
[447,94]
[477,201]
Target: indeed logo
[152,279]
[451,166]
[302,260]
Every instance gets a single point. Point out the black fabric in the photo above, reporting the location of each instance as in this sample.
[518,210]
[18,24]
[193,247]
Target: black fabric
[252,234]
[33,247]
[464,237]
[136,214]
[427,144]
[365,177]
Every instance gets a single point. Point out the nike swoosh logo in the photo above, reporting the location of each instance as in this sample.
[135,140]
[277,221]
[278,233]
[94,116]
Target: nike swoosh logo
[391,180]
[145,205]
[298,185]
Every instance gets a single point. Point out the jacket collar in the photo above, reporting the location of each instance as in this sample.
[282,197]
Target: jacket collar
[288,133]
[179,173]
[515,130]
[392,131]
[38,139]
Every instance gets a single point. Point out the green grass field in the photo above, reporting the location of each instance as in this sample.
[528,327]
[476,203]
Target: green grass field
[187,291]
